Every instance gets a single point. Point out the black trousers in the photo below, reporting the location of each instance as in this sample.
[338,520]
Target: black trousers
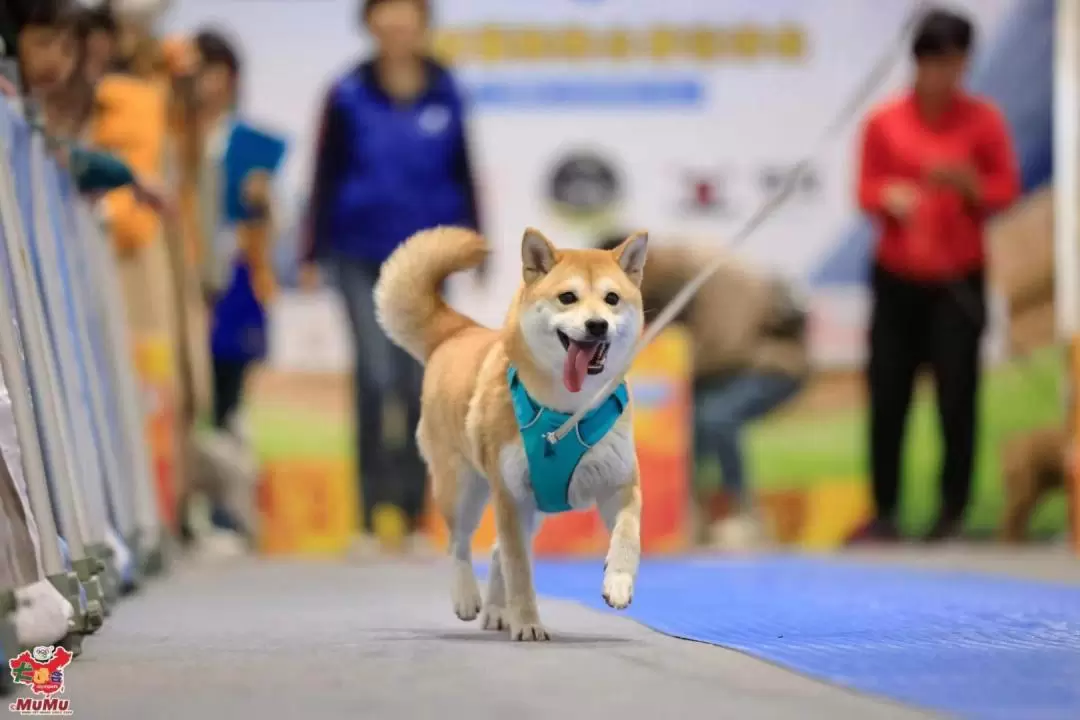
[229,376]
[940,326]
[391,469]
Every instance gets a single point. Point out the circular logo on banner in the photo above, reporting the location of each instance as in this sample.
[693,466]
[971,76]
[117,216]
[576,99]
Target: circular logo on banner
[584,185]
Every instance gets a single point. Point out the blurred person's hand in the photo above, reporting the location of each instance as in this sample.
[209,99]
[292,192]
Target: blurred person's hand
[257,190]
[7,88]
[959,176]
[154,196]
[61,152]
[310,278]
[180,56]
[483,271]
[900,199]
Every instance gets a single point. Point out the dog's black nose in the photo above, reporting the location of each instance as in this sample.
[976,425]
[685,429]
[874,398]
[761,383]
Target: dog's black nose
[596,327]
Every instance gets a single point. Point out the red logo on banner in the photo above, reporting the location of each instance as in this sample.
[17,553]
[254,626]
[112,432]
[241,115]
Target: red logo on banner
[705,192]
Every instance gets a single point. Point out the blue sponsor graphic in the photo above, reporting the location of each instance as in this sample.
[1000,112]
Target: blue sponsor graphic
[565,92]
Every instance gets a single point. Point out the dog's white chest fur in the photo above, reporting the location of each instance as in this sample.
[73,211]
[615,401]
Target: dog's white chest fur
[604,468]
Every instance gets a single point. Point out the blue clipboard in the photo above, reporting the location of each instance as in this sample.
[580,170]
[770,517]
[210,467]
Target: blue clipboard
[250,148]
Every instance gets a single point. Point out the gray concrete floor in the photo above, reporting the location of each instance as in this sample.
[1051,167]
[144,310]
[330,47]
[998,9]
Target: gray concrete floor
[282,640]
[278,640]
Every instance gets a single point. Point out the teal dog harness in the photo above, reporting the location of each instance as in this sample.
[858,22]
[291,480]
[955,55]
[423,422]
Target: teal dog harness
[552,465]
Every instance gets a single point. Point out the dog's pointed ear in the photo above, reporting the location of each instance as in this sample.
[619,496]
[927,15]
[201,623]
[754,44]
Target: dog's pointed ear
[537,255]
[631,255]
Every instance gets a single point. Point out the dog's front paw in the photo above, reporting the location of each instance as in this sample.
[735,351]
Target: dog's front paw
[529,632]
[495,618]
[618,589]
[466,594]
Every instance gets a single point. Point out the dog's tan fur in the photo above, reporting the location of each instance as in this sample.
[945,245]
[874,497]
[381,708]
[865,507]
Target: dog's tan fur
[1033,464]
[468,431]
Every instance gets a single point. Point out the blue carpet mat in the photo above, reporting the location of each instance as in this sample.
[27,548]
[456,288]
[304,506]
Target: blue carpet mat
[968,645]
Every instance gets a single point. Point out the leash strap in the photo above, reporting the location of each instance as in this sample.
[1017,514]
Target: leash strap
[863,92]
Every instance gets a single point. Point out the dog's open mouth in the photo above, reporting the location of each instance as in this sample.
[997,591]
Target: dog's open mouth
[583,357]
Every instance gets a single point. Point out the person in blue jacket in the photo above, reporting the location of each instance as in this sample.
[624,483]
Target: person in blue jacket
[392,159]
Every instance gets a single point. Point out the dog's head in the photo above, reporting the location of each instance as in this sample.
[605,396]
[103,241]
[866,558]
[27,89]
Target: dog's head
[580,310]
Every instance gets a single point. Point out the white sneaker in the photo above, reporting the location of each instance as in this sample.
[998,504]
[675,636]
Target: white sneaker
[42,616]
[419,545]
[739,533]
[364,546]
[212,543]
[221,544]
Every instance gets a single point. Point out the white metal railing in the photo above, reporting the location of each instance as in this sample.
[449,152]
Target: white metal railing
[82,475]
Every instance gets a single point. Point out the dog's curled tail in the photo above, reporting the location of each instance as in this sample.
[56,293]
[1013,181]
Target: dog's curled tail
[408,304]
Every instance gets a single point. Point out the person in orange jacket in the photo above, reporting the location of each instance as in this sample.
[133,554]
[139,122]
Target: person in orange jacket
[137,107]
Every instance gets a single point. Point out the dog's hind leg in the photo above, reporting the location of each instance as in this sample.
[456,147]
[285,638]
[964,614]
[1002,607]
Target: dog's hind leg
[472,497]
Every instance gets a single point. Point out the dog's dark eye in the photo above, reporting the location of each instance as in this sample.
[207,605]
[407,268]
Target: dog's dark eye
[611,299]
[568,298]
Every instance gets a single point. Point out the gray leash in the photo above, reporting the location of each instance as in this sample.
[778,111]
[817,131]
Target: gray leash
[863,92]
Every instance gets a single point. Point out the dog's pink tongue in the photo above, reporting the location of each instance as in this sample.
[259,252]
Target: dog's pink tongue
[576,366]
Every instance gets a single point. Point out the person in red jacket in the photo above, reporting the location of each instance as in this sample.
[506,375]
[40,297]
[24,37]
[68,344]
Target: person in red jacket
[935,164]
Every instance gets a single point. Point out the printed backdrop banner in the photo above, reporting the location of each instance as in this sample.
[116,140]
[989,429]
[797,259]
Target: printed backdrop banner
[593,115]
[681,117]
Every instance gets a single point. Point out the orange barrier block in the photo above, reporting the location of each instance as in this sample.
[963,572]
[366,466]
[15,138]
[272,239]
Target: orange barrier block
[154,367]
[307,506]
[661,385]
[660,388]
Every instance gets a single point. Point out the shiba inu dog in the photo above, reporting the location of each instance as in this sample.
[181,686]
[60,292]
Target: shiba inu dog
[490,395]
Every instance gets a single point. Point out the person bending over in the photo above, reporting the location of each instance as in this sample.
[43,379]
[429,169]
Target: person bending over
[748,332]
